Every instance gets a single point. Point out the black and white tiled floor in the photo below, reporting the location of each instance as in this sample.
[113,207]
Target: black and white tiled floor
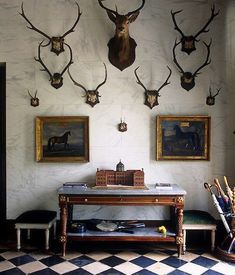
[108,261]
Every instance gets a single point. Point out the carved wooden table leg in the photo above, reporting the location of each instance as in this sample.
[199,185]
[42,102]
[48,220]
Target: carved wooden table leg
[63,222]
[179,224]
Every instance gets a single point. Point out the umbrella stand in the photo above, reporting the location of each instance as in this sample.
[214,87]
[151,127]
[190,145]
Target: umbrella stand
[225,250]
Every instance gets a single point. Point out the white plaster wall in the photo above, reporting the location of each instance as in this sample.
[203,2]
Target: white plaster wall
[32,185]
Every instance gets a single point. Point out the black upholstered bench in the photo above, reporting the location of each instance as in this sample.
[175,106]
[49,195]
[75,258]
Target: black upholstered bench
[36,219]
[198,220]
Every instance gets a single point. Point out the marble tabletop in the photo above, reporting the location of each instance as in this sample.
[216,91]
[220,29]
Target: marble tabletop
[150,190]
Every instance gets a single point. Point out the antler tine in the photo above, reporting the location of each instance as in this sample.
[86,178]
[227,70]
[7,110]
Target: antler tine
[210,91]
[32,27]
[218,90]
[30,94]
[213,15]
[166,82]
[131,12]
[207,61]
[70,61]
[138,80]
[76,83]
[174,21]
[40,60]
[174,57]
[107,9]
[74,25]
[35,93]
[105,78]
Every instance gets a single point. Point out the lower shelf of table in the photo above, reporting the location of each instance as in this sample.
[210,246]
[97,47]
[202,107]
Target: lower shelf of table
[139,234]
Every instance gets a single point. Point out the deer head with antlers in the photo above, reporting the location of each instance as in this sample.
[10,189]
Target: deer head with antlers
[188,41]
[34,101]
[188,78]
[56,79]
[151,96]
[57,42]
[92,96]
[210,100]
[122,46]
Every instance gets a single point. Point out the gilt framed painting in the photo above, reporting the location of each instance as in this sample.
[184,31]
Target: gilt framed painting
[183,138]
[62,139]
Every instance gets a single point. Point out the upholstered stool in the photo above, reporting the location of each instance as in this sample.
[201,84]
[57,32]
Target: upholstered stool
[198,220]
[36,219]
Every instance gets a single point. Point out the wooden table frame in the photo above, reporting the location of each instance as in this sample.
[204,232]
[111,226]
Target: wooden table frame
[175,201]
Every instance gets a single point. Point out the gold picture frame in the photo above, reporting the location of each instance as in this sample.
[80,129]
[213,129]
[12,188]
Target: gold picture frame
[62,139]
[183,138]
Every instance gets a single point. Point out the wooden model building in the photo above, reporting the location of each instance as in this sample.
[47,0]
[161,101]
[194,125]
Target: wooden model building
[128,178]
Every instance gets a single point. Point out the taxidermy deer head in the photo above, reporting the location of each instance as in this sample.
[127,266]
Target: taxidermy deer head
[57,42]
[34,101]
[188,78]
[92,96]
[151,96]
[56,79]
[210,100]
[122,46]
[188,41]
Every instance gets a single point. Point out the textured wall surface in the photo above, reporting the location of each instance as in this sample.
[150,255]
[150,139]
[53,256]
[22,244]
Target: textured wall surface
[32,185]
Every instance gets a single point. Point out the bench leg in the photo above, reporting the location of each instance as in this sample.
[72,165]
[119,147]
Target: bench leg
[212,240]
[47,238]
[18,238]
[184,241]
[54,230]
[28,234]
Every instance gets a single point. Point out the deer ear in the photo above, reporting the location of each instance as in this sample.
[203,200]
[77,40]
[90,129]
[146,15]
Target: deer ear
[133,17]
[111,16]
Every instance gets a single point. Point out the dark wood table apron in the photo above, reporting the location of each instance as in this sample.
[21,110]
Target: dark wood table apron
[69,196]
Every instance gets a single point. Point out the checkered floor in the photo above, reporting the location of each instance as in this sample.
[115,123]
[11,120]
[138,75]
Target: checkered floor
[132,259]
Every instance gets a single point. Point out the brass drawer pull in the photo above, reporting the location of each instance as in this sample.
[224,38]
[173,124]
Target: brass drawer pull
[156,200]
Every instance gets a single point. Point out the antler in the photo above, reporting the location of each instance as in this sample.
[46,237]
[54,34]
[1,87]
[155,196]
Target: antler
[207,61]
[105,78]
[107,9]
[70,61]
[218,90]
[41,62]
[174,57]
[76,83]
[213,15]
[131,12]
[176,26]
[74,25]
[138,80]
[34,95]
[116,13]
[32,27]
[166,82]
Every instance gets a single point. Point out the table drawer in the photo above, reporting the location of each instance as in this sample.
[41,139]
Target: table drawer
[122,200]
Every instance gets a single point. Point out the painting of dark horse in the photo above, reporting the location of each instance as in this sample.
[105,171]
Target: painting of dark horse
[183,138]
[58,140]
[191,138]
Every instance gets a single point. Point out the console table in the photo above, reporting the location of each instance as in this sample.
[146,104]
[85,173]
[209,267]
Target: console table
[174,198]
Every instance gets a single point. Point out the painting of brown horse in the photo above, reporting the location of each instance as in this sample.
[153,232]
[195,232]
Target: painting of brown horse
[58,139]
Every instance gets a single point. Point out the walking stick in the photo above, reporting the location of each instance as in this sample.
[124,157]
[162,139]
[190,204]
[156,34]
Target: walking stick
[228,189]
[216,204]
